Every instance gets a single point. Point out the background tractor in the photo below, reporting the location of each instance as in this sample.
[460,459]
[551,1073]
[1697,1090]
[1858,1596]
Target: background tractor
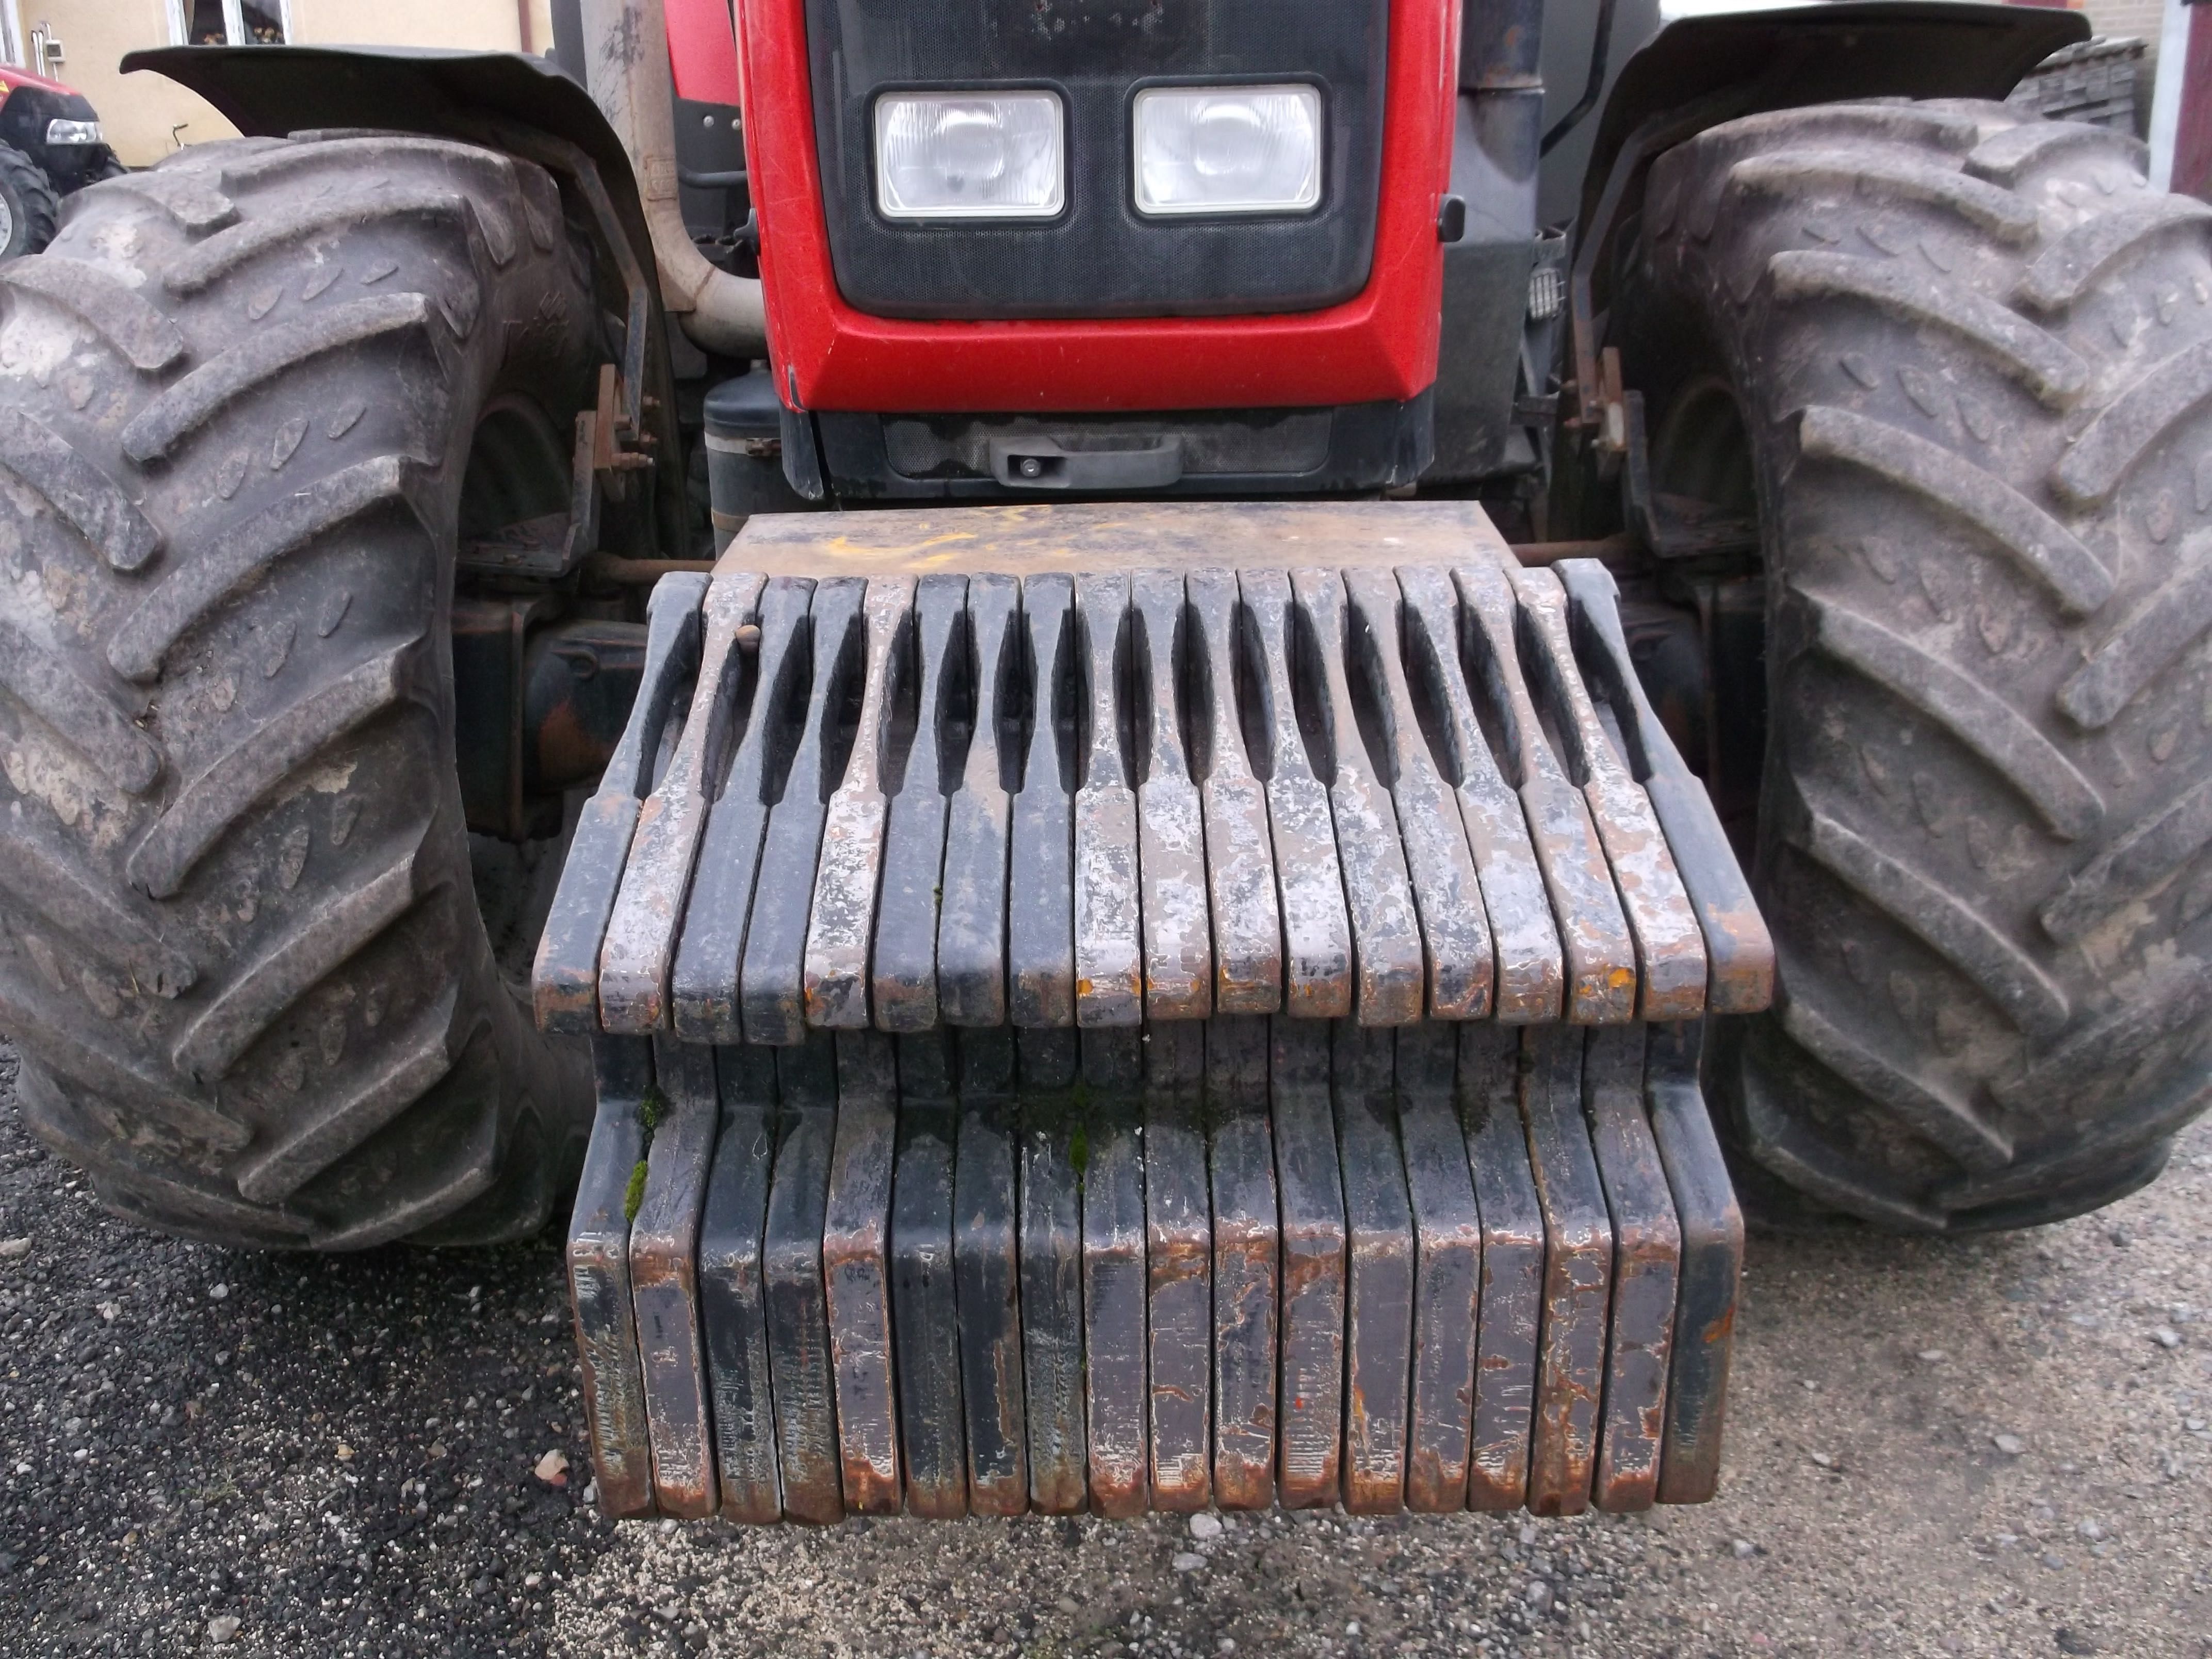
[50,144]
[342,458]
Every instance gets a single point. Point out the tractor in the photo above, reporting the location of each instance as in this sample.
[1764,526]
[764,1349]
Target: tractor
[1156,757]
[50,144]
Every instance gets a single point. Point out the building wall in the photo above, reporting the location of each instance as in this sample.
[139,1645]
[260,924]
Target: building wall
[2122,19]
[146,116]
[470,25]
[138,112]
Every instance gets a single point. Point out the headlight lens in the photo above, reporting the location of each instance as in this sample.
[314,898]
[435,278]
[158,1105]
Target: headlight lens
[59,131]
[1228,149]
[969,156]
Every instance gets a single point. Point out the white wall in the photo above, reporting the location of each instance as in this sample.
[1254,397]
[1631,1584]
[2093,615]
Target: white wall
[477,25]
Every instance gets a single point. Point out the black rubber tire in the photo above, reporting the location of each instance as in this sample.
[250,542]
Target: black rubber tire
[1973,356]
[242,960]
[32,208]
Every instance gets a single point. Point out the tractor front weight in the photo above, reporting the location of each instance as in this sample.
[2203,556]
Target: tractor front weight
[1150,1008]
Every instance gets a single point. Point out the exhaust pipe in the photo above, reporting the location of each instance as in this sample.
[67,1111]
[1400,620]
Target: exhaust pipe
[626,66]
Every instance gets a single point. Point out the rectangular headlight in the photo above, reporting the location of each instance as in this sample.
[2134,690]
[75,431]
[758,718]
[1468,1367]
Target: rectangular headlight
[1228,149]
[60,132]
[969,156]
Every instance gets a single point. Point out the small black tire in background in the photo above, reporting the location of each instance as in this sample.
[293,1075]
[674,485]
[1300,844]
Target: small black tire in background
[1972,354]
[242,955]
[27,203]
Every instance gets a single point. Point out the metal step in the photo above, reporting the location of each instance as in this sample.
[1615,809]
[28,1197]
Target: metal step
[1124,1039]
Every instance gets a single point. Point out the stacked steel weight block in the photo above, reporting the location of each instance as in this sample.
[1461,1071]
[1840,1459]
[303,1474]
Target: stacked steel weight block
[1149,1039]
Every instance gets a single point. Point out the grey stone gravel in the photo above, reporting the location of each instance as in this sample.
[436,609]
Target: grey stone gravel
[180,1469]
[358,1476]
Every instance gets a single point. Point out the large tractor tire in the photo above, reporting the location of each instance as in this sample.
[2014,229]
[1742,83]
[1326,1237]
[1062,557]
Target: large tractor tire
[1970,356]
[241,953]
[29,208]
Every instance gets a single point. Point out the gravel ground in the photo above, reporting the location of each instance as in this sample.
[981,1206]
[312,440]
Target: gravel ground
[1998,1447]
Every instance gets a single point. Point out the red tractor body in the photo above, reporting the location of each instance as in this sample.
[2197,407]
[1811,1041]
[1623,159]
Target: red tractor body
[830,355]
